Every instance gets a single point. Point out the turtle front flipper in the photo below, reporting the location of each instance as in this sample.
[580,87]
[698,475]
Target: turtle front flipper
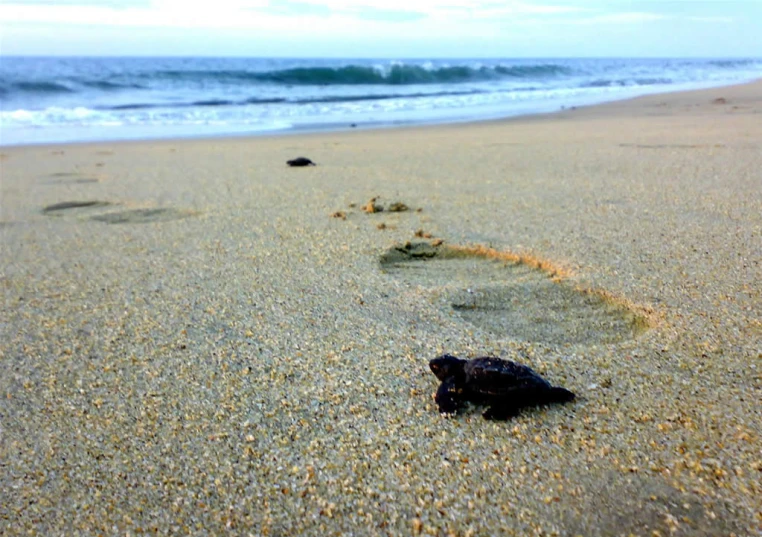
[448,396]
[501,412]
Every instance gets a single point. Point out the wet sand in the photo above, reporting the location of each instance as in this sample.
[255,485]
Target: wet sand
[198,339]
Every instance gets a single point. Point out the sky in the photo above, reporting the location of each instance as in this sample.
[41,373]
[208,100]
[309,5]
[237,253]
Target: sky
[383,28]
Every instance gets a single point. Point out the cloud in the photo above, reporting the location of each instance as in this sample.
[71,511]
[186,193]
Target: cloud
[298,8]
[115,4]
[625,18]
[388,15]
[378,27]
[721,20]
[163,13]
[236,13]
[315,20]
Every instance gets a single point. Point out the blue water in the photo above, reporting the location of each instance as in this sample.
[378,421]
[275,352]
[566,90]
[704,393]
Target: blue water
[87,99]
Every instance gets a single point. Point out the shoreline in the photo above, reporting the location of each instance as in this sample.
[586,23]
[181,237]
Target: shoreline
[385,126]
[200,339]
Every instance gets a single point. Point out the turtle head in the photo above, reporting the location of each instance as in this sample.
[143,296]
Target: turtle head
[447,366]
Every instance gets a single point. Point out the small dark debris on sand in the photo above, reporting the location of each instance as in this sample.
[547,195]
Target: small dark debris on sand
[300,161]
[339,214]
[423,234]
[412,250]
[720,100]
[372,206]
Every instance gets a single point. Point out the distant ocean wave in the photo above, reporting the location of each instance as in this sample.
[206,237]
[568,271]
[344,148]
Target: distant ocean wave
[398,74]
[394,75]
[347,75]
[35,87]
[109,85]
[55,86]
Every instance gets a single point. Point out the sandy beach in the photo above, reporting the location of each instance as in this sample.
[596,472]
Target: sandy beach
[198,339]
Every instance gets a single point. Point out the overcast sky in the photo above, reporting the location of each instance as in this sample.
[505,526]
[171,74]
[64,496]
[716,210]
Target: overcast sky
[383,28]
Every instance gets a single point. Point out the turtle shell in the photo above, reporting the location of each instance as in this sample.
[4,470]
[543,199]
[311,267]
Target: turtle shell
[494,377]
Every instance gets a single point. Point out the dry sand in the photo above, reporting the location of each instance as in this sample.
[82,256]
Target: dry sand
[192,344]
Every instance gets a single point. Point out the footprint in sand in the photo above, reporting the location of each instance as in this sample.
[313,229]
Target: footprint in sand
[69,178]
[73,207]
[143,216]
[514,296]
[127,216]
[671,146]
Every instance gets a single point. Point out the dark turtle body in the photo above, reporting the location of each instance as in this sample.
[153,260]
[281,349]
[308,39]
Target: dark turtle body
[300,161]
[505,386]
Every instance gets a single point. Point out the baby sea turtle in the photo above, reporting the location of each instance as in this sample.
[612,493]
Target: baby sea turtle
[505,386]
[300,161]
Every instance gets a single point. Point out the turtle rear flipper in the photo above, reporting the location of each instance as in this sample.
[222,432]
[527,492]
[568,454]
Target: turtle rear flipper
[509,404]
[560,395]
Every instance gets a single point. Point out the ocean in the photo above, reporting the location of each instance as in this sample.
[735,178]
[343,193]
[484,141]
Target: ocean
[68,99]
